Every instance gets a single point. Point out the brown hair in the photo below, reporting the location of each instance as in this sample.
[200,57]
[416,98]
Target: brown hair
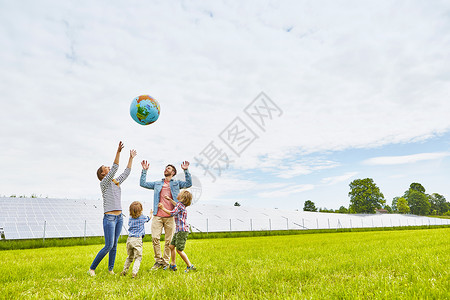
[185,197]
[99,173]
[135,209]
[174,169]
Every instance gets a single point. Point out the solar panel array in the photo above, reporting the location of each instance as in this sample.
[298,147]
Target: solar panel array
[213,218]
[27,218]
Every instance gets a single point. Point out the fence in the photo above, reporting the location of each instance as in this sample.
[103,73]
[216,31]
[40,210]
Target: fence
[58,218]
[332,221]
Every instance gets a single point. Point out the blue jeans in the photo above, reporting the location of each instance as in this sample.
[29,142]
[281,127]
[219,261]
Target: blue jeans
[112,226]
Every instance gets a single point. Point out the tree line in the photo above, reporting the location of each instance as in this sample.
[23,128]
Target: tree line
[366,197]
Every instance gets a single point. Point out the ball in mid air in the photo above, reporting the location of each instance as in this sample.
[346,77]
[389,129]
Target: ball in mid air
[144,109]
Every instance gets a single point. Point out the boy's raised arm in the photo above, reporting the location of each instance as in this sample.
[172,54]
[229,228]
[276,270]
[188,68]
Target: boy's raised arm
[170,199]
[161,206]
[150,216]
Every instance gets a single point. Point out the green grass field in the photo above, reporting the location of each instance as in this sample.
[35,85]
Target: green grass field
[364,265]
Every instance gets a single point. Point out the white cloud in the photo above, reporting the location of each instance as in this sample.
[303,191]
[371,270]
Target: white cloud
[286,192]
[345,75]
[289,171]
[405,159]
[283,163]
[337,179]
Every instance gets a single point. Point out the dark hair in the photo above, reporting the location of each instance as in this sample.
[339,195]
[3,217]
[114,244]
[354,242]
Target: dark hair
[99,173]
[174,169]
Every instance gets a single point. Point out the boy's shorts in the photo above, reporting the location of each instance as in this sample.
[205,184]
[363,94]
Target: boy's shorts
[179,240]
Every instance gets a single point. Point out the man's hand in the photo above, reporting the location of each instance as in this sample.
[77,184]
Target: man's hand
[185,165]
[145,165]
[160,205]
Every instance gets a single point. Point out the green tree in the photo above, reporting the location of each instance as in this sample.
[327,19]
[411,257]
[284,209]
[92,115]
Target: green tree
[325,210]
[342,210]
[417,199]
[402,206]
[394,204]
[309,206]
[446,208]
[438,203]
[388,208]
[417,187]
[365,196]
[418,203]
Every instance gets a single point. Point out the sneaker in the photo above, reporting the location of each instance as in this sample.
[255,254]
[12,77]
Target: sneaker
[171,267]
[111,272]
[123,273]
[157,266]
[133,275]
[91,272]
[189,269]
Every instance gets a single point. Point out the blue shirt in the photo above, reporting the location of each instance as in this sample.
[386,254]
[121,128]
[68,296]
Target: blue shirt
[175,186]
[136,226]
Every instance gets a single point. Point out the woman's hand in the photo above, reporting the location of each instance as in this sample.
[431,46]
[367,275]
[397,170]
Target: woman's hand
[120,147]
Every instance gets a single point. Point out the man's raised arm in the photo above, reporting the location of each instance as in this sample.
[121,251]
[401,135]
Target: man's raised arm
[143,183]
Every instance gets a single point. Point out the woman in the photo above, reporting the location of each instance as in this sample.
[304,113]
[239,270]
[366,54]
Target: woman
[112,218]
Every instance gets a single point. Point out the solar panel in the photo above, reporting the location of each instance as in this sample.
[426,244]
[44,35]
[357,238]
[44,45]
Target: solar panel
[211,218]
[24,218]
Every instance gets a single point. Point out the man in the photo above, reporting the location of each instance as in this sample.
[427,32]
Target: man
[165,187]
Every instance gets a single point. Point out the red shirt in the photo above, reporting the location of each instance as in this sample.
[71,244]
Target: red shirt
[180,217]
[165,191]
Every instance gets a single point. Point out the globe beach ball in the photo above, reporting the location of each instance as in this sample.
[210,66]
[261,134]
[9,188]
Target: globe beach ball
[144,109]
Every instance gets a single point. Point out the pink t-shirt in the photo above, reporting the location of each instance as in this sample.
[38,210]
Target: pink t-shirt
[165,191]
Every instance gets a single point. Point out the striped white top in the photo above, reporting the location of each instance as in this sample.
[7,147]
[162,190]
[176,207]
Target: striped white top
[110,191]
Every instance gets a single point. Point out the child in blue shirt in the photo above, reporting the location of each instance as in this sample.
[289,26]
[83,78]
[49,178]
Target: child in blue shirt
[136,232]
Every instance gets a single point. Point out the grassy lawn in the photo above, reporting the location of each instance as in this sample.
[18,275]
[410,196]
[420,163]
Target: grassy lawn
[381,264]
[440,217]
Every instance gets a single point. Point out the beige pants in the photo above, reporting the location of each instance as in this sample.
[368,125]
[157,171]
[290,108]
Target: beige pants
[134,251]
[158,223]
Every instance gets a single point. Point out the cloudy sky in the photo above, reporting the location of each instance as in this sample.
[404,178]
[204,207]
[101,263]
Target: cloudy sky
[350,90]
